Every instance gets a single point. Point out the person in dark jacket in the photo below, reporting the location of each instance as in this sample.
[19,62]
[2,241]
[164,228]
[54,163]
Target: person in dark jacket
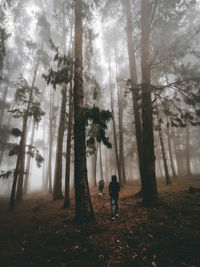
[101,186]
[114,189]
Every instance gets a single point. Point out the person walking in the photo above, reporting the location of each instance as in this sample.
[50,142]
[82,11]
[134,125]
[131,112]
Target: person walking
[101,186]
[114,189]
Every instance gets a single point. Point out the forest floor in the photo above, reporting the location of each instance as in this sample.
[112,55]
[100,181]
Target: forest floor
[40,233]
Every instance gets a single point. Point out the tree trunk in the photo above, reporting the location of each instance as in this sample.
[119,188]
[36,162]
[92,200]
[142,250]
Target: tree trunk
[189,173]
[2,110]
[178,154]
[106,178]
[121,178]
[19,171]
[15,178]
[149,182]
[44,165]
[68,150]
[114,127]
[100,162]
[121,136]
[5,93]
[134,78]
[84,210]
[170,154]
[57,188]
[28,164]
[94,168]
[3,146]
[22,160]
[23,137]
[49,168]
[167,177]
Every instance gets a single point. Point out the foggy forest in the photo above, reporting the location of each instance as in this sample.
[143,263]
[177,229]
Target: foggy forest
[99,133]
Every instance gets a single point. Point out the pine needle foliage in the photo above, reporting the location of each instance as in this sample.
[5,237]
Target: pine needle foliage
[6,175]
[23,103]
[97,119]
[64,69]
[35,153]
[16,132]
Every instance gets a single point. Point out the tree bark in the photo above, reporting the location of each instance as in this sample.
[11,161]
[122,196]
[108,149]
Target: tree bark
[121,178]
[189,173]
[94,169]
[178,154]
[134,78]
[28,164]
[48,185]
[57,188]
[121,136]
[84,210]
[100,162]
[68,150]
[5,93]
[44,165]
[170,154]
[167,177]
[15,178]
[114,127]
[107,164]
[149,181]
[3,146]
[23,139]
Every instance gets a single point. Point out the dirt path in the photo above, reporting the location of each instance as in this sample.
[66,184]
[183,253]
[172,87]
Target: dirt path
[40,233]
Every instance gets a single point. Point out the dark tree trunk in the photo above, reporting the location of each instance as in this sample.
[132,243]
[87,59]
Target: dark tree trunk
[49,168]
[167,177]
[19,171]
[100,162]
[114,128]
[134,78]
[149,181]
[170,154]
[28,164]
[57,188]
[68,150]
[121,178]
[94,168]
[178,154]
[23,137]
[84,210]
[107,164]
[44,165]
[3,146]
[160,168]
[121,136]
[2,110]
[189,173]
[22,160]
[15,178]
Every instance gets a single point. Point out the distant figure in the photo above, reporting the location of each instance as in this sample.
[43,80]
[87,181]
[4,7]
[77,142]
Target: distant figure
[114,189]
[101,187]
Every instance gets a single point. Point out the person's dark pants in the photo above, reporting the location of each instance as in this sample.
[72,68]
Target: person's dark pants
[101,189]
[114,206]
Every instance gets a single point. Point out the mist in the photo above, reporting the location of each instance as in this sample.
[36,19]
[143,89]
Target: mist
[96,95]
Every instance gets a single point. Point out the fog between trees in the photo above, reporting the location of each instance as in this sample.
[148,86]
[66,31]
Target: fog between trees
[94,88]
